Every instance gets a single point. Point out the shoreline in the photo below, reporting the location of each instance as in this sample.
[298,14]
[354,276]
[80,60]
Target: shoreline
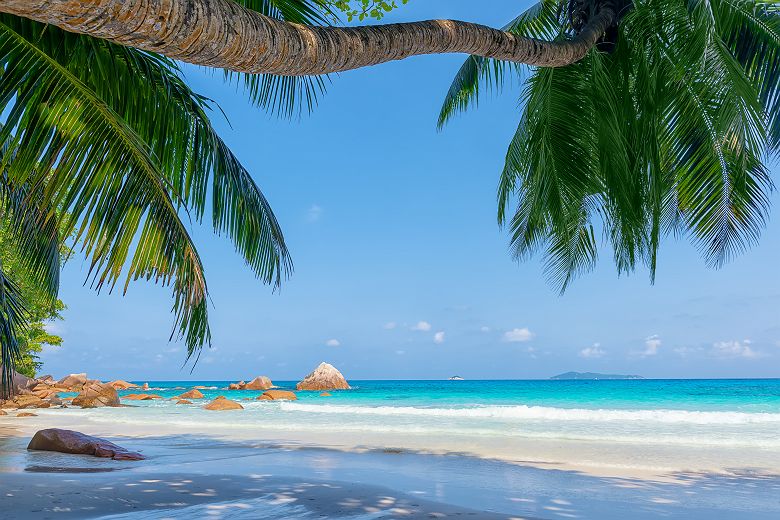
[280,478]
[607,459]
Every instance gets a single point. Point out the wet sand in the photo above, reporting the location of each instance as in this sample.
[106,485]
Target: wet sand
[198,476]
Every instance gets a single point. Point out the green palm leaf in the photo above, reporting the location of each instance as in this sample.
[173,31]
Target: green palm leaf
[13,318]
[103,175]
[667,134]
[541,20]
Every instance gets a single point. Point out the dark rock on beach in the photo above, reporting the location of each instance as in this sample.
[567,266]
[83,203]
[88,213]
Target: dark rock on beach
[69,441]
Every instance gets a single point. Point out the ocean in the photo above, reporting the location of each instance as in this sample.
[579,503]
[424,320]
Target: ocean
[608,449]
[714,412]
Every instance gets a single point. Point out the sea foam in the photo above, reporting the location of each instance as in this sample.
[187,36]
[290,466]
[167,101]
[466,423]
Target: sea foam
[544,413]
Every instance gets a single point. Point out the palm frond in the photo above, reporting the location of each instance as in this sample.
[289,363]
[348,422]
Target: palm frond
[550,165]
[103,175]
[174,122]
[750,30]
[34,228]
[539,21]
[667,134]
[13,317]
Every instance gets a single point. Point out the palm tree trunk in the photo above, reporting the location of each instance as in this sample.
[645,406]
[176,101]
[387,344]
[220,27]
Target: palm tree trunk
[223,34]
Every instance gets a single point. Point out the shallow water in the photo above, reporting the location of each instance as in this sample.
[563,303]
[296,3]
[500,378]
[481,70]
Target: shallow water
[654,425]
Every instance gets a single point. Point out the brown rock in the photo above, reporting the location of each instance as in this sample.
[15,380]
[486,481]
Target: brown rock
[220,403]
[73,381]
[44,391]
[122,385]
[68,441]
[326,394]
[324,377]
[27,414]
[3,412]
[278,395]
[95,393]
[259,383]
[28,401]
[192,394]
[183,401]
[19,382]
[142,397]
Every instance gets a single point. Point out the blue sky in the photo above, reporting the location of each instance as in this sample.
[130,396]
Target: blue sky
[400,268]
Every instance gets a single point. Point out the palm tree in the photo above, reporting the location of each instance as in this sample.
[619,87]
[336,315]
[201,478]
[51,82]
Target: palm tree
[233,35]
[106,146]
[668,132]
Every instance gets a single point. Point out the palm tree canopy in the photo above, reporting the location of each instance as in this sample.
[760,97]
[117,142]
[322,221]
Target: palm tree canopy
[108,147]
[668,134]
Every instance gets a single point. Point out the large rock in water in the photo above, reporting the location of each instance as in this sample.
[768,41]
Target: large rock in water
[74,381]
[69,441]
[192,394]
[324,377]
[278,395]
[122,385]
[259,383]
[95,393]
[220,403]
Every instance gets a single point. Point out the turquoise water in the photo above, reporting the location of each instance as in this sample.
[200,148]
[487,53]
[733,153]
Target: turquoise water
[736,395]
[488,417]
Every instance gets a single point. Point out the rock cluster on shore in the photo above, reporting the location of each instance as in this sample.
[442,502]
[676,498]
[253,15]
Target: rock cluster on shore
[324,377]
[44,392]
[258,383]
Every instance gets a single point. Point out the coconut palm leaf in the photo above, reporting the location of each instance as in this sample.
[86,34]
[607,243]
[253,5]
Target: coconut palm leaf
[667,134]
[13,319]
[154,100]
[541,20]
[101,173]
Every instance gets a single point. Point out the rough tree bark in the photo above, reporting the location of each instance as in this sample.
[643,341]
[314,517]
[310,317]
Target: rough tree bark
[221,33]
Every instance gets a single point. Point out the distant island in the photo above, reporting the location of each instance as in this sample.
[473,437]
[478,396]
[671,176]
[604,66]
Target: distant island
[456,378]
[594,375]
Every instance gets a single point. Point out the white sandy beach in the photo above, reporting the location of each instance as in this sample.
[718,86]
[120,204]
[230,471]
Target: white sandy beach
[204,474]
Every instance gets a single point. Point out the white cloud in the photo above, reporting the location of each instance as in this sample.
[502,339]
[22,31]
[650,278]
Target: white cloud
[652,344]
[439,337]
[389,325]
[423,326]
[314,213]
[333,343]
[518,335]
[484,329]
[400,352]
[734,349]
[593,352]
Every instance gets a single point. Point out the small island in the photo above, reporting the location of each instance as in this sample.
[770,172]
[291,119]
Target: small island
[592,376]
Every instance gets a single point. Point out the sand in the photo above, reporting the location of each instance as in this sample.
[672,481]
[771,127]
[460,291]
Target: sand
[200,476]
